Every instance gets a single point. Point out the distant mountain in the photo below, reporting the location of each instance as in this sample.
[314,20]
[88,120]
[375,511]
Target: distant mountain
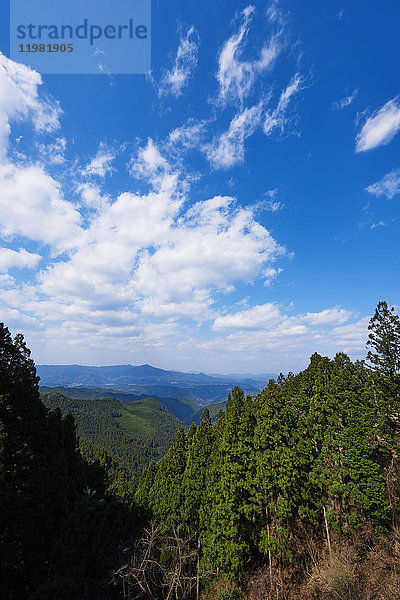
[213,409]
[76,375]
[145,380]
[264,377]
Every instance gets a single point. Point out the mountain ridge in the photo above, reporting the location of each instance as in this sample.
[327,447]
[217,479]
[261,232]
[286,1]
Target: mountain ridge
[123,376]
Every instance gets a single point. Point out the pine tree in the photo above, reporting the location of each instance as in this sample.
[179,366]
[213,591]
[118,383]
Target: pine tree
[384,359]
[384,341]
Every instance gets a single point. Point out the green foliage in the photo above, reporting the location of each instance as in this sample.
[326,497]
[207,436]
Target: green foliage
[195,474]
[53,531]
[227,541]
[384,341]
[182,408]
[310,453]
[166,493]
[123,436]
[384,359]
[311,459]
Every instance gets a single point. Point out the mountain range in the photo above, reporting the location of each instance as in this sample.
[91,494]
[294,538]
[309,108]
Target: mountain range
[146,380]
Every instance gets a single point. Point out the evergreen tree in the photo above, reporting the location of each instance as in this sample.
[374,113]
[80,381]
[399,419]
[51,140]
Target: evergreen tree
[166,494]
[227,543]
[384,358]
[384,341]
[195,475]
[42,485]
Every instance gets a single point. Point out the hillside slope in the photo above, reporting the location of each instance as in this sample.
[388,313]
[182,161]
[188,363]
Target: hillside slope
[126,435]
[182,408]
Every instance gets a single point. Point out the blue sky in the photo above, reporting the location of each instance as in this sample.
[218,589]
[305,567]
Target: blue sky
[234,210]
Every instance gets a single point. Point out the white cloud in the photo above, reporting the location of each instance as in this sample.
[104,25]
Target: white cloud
[31,205]
[53,153]
[236,77]
[269,317]
[346,101]
[259,317]
[147,257]
[352,336]
[388,186]
[185,63]
[101,163]
[277,118]
[15,319]
[214,247]
[268,330]
[188,135]
[275,13]
[19,98]
[17,259]
[380,128]
[378,224]
[329,316]
[228,149]
[149,162]
[92,196]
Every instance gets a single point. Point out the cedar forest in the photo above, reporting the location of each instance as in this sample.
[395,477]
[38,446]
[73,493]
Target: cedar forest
[289,494]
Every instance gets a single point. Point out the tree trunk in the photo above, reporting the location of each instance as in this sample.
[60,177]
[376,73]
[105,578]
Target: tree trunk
[198,570]
[328,538]
[269,550]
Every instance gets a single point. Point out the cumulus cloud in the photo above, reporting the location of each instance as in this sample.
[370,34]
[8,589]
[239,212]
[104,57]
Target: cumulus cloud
[148,267]
[269,316]
[258,317]
[235,76]
[351,336]
[270,329]
[145,256]
[388,186]
[330,316]
[185,63]
[19,98]
[227,149]
[92,197]
[149,162]
[15,318]
[19,259]
[215,246]
[150,165]
[31,205]
[380,128]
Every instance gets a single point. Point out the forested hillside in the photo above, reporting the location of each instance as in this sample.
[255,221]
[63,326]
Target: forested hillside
[124,436]
[182,408]
[59,528]
[291,494]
